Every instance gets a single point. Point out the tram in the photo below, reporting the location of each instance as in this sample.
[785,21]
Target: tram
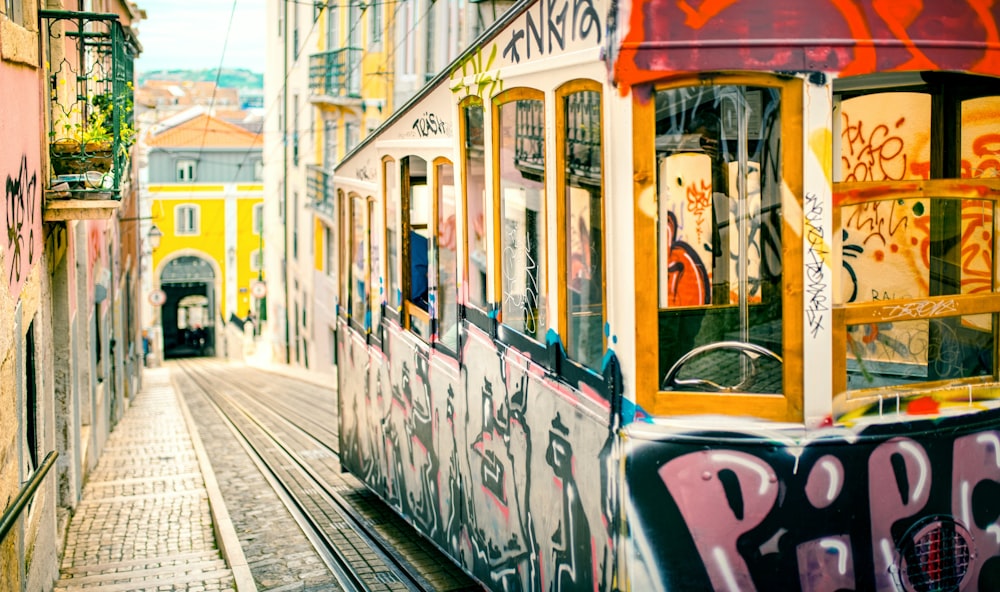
[646,295]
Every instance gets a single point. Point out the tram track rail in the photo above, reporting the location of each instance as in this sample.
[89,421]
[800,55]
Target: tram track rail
[347,539]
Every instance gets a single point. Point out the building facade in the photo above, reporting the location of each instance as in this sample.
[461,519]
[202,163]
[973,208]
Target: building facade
[205,197]
[70,342]
[335,72]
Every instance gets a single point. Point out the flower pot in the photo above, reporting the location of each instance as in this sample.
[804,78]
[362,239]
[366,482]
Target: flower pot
[73,158]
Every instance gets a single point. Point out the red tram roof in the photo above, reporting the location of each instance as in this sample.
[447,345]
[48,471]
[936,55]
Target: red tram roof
[844,36]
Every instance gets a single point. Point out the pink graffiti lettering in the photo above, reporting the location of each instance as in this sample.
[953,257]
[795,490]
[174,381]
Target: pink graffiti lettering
[703,483]
[899,482]
[976,460]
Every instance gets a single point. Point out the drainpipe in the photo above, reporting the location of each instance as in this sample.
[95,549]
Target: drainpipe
[284,185]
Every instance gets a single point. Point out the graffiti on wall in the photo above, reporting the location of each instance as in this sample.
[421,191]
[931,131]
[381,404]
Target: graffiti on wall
[22,216]
[550,26]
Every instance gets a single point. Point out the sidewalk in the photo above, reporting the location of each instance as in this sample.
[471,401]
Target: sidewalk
[151,516]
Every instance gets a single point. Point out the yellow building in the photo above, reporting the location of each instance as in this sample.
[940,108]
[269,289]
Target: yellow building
[205,196]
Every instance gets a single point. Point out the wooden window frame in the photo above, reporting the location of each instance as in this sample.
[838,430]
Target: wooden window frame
[410,309]
[343,254]
[509,96]
[475,314]
[562,238]
[436,250]
[373,273]
[356,320]
[392,312]
[787,406]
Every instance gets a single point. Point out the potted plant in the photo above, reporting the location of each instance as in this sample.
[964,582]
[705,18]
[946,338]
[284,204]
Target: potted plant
[85,144]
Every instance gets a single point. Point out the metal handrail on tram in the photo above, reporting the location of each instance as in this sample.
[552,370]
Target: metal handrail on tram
[27,492]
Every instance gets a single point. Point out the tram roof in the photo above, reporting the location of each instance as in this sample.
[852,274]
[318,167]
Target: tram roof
[848,37]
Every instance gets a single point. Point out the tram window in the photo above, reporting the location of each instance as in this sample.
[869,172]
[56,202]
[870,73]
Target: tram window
[918,280]
[359,263]
[521,154]
[475,201]
[417,229]
[446,289]
[719,238]
[343,226]
[582,225]
[390,176]
[375,267]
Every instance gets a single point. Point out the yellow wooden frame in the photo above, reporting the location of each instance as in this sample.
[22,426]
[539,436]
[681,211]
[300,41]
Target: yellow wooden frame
[343,247]
[931,307]
[509,96]
[354,198]
[463,133]
[432,241]
[387,162]
[562,238]
[786,406]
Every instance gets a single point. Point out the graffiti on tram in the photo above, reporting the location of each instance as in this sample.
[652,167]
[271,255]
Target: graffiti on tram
[510,474]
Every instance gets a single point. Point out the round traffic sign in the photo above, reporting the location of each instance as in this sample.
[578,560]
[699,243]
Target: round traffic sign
[258,289]
[157,297]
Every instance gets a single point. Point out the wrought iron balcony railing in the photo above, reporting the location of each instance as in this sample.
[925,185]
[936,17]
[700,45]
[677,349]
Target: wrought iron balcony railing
[319,189]
[336,74]
[91,130]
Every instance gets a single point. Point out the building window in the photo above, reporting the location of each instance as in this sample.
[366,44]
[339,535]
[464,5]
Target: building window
[258,170]
[187,218]
[520,115]
[376,24]
[257,260]
[351,135]
[187,169]
[258,218]
[15,11]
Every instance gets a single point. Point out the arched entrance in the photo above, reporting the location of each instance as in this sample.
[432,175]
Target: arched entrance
[189,313]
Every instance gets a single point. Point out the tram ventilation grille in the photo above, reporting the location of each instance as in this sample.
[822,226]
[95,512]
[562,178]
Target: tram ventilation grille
[935,556]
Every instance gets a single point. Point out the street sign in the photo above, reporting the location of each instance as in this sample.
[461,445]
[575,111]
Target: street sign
[157,297]
[258,289]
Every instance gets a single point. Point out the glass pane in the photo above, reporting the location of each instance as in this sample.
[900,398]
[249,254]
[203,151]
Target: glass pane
[375,260]
[584,230]
[522,198]
[719,223]
[980,138]
[359,287]
[920,350]
[475,198]
[446,297]
[419,233]
[345,251]
[392,225]
[885,137]
[950,253]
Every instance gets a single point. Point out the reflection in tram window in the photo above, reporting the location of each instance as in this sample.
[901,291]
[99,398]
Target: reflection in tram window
[584,228]
[475,200]
[522,216]
[446,289]
[719,238]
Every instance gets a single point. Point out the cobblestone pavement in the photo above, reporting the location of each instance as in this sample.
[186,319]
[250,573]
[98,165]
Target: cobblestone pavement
[144,521]
[279,555]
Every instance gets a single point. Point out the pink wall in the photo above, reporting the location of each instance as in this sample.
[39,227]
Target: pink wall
[20,174]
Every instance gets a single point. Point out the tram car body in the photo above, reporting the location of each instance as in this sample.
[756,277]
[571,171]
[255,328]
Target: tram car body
[650,295]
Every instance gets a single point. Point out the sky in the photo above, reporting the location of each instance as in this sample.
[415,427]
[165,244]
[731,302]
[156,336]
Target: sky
[190,34]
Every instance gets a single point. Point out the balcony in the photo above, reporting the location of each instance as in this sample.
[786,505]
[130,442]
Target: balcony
[90,126]
[335,78]
[319,190]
